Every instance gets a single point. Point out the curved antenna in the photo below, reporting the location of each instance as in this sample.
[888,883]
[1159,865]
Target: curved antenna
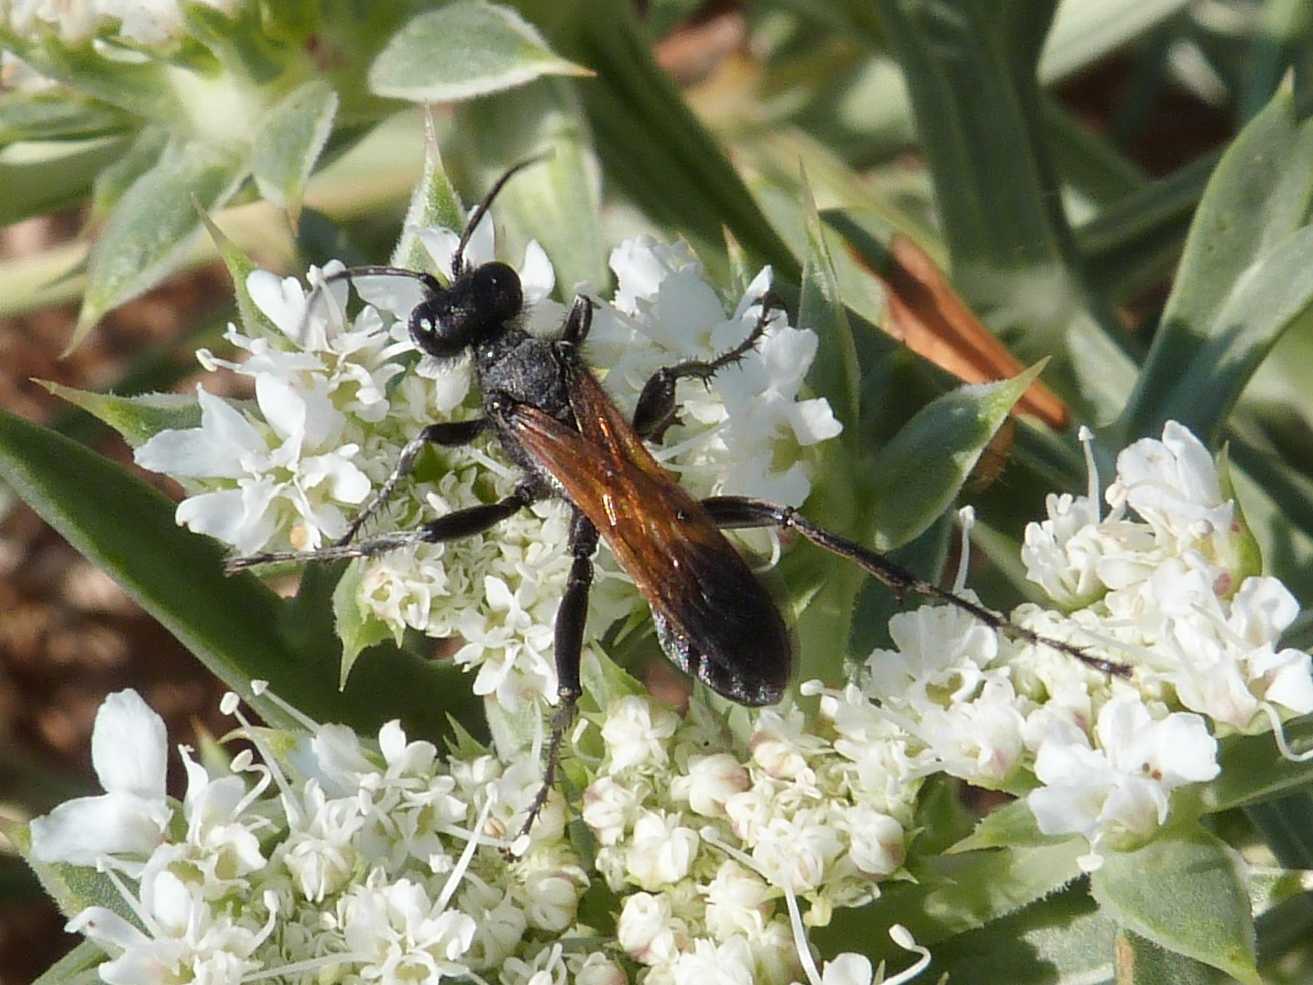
[458,258]
[382,270]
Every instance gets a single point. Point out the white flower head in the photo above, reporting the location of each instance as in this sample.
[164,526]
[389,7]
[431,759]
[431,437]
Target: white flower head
[128,751]
[1119,790]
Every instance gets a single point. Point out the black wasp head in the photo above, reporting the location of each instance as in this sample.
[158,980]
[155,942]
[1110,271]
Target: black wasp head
[478,305]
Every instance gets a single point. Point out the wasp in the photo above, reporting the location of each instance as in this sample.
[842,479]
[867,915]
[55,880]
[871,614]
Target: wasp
[713,618]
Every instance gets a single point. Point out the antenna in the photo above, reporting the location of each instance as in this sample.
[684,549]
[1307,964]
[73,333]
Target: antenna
[480,210]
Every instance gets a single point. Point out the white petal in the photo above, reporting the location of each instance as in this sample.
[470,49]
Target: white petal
[814,421]
[398,296]
[129,746]
[753,294]
[537,275]
[1185,750]
[1292,685]
[282,406]
[219,514]
[106,927]
[441,247]
[84,830]
[280,299]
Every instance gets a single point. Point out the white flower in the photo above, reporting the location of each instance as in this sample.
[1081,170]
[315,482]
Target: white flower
[400,935]
[798,851]
[647,929]
[635,732]
[1120,789]
[661,849]
[708,963]
[321,854]
[875,840]
[1173,484]
[709,782]
[738,901]
[186,939]
[609,809]
[598,969]
[128,749]
[273,477]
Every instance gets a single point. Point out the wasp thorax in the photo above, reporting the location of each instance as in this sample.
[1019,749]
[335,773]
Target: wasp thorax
[478,304]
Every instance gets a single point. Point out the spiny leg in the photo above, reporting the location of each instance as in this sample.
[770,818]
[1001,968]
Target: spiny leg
[655,411]
[738,512]
[570,619]
[453,526]
[448,434]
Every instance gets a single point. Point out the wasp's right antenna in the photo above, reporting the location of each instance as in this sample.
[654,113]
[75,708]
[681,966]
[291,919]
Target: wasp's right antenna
[458,258]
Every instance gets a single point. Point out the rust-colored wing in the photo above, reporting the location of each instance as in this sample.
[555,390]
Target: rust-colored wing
[714,618]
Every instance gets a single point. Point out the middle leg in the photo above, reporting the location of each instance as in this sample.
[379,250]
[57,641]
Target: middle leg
[570,620]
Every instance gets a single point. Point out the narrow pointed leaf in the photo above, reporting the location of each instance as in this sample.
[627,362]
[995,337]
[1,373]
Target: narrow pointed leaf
[137,418]
[152,224]
[288,142]
[240,266]
[464,49]
[77,967]
[357,630]
[433,202]
[919,473]
[1185,892]
[55,116]
[235,626]
[72,887]
[1244,243]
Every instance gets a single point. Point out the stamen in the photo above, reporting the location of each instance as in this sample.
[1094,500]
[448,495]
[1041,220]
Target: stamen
[309,964]
[903,938]
[1279,733]
[229,706]
[800,941]
[967,517]
[261,690]
[1086,437]
[463,863]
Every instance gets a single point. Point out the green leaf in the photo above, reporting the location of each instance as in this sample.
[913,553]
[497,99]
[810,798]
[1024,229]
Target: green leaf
[970,67]
[1064,939]
[953,894]
[834,374]
[137,418]
[1085,31]
[1253,771]
[1010,826]
[919,473]
[555,202]
[1245,248]
[55,116]
[1185,892]
[113,181]
[235,626]
[151,224]
[356,629]
[72,887]
[240,266]
[433,202]
[288,142]
[39,177]
[77,967]
[1142,962]
[464,49]
[651,145]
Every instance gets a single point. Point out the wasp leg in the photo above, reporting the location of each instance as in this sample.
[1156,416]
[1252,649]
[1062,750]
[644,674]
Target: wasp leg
[740,512]
[448,434]
[578,321]
[656,408]
[453,526]
[570,619]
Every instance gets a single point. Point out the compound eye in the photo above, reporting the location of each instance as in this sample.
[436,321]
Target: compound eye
[497,287]
[428,332]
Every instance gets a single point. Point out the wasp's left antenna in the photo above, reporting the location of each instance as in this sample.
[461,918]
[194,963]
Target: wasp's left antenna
[480,210]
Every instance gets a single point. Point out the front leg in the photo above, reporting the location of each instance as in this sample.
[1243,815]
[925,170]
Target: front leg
[656,408]
[453,526]
[448,434]
[570,620]
[743,512]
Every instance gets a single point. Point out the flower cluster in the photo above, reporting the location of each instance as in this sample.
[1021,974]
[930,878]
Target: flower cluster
[707,826]
[335,406]
[330,859]
[130,21]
